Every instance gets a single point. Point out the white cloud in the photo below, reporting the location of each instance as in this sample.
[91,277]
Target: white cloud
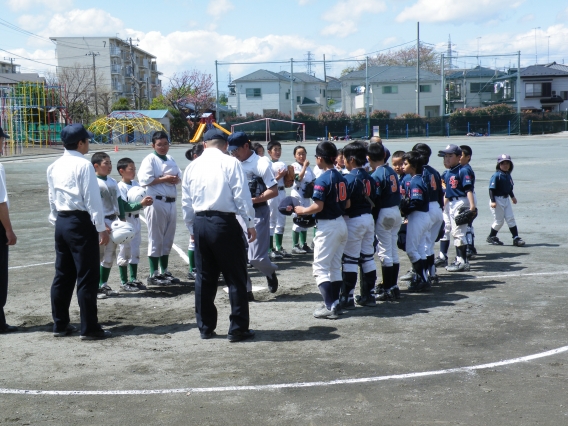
[343,16]
[18,5]
[457,11]
[89,22]
[217,8]
[32,22]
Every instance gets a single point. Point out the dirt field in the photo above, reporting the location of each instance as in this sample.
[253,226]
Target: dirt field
[360,369]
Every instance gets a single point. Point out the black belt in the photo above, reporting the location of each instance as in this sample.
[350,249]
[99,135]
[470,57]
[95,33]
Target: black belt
[281,188]
[166,199]
[501,196]
[111,217]
[454,198]
[133,215]
[67,213]
[264,203]
[209,213]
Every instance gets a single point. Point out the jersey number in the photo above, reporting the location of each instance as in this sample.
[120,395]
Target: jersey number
[341,190]
[367,187]
[394,186]
[433,182]
[453,182]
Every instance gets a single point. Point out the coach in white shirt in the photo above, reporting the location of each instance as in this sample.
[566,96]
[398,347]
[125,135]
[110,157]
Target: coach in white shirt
[77,213]
[214,191]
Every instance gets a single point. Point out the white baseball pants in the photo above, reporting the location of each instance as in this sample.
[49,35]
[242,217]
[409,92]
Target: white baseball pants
[161,221]
[130,252]
[329,245]
[386,229]
[360,236]
[502,212]
[416,231]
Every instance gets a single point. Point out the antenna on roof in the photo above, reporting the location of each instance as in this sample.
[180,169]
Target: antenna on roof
[309,58]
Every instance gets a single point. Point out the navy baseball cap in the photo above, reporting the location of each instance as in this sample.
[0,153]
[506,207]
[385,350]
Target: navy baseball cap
[214,134]
[504,157]
[3,135]
[72,134]
[236,140]
[286,206]
[450,149]
[387,154]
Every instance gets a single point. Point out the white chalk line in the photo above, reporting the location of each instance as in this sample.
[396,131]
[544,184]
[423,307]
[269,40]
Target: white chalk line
[29,266]
[179,251]
[532,274]
[296,385]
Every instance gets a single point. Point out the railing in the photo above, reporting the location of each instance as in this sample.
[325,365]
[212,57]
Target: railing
[114,51]
[115,69]
[117,87]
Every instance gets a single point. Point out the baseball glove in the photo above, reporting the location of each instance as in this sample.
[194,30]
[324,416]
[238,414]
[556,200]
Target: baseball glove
[404,206]
[465,216]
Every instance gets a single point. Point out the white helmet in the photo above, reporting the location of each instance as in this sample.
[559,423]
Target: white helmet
[121,232]
[136,194]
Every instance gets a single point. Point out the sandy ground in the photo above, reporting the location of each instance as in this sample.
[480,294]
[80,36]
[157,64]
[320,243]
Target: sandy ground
[511,304]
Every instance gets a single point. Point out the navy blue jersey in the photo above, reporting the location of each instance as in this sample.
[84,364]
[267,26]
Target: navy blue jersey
[360,186]
[418,194]
[471,175]
[404,184]
[433,182]
[331,188]
[458,182]
[387,188]
[501,184]
[443,177]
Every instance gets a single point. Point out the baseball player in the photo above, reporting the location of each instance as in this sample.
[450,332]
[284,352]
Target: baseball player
[303,185]
[340,162]
[433,182]
[459,193]
[330,201]
[159,174]
[277,219]
[263,187]
[192,154]
[465,161]
[388,221]
[112,211]
[500,190]
[359,249]
[129,252]
[415,206]
[442,259]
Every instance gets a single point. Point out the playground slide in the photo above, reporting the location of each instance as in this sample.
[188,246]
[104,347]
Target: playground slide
[221,128]
[198,134]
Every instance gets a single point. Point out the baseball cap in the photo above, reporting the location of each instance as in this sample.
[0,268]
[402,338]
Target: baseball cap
[450,149]
[72,134]
[236,140]
[387,154]
[286,206]
[504,157]
[214,134]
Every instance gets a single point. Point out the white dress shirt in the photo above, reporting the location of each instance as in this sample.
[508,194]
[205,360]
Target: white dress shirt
[216,181]
[256,166]
[3,191]
[73,186]
[153,167]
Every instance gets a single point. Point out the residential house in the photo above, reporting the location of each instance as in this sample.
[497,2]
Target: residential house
[333,93]
[393,89]
[10,75]
[470,88]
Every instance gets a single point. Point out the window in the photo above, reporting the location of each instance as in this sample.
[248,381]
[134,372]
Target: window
[564,95]
[538,89]
[481,87]
[390,90]
[425,88]
[287,95]
[253,93]
[324,93]
[298,99]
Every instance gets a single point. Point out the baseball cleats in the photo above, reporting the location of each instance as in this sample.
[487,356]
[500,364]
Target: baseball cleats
[518,242]
[441,261]
[105,291]
[458,267]
[129,288]
[276,255]
[323,313]
[284,253]
[171,279]
[272,283]
[494,241]
[346,303]
[298,250]
[471,252]
[157,280]
[408,277]
[307,249]
[191,275]
[68,330]
[138,284]
[416,285]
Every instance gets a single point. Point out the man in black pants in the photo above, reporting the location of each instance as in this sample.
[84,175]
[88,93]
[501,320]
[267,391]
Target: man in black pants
[77,213]
[7,238]
[214,191]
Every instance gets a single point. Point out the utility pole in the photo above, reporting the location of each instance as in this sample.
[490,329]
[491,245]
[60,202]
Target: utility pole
[535,47]
[216,93]
[325,79]
[418,68]
[292,89]
[11,64]
[132,75]
[367,116]
[93,54]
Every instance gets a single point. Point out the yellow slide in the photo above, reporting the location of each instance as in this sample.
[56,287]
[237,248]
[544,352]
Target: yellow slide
[221,128]
[198,134]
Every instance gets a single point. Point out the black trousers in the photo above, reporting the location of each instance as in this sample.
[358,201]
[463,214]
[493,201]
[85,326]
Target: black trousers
[219,247]
[76,261]
[3,274]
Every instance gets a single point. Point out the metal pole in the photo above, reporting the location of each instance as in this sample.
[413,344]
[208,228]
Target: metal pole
[217,93]
[418,68]
[443,89]
[292,89]
[518,90]
[93,54]
[367,95]
[325,79]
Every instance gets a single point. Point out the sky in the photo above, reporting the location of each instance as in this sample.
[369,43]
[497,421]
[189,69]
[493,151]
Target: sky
[191,34]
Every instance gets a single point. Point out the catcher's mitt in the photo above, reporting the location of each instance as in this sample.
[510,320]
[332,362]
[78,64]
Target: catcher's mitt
[401,240]
[404,206]
[465,216]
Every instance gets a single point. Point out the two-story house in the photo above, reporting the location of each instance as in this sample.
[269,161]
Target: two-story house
[470,88]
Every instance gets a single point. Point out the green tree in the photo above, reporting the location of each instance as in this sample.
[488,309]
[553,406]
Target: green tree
[178,126]
[122,104]
[223,99]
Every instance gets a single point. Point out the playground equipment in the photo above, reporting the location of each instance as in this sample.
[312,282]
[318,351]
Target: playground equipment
[206,121]
[32,115]
[267,129]
[120,127]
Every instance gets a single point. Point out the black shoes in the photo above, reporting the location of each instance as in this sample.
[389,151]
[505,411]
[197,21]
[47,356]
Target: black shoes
[68,330]
[250,296]
[272,283]
[237,336]
[96,335]
[8,329]
[207,336]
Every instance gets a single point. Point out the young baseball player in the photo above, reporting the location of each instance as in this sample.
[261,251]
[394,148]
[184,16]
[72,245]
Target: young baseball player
[129,252]
[303,179]
[459,193]
[330,201]
[403,183]
[340,162]
[500,190]
[433,182]
[387,223]
[192,154]
[465,161]
[442,259]
[277,219]
[112,210]
[359,249]
[258,149]
[415,206]
[397,163]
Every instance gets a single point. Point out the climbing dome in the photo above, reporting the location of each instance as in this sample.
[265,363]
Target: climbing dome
[124,127]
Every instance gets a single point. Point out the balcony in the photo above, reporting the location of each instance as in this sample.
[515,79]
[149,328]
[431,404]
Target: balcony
[116,86]
[154,66]
[115,69]
[144,63]
[114,51]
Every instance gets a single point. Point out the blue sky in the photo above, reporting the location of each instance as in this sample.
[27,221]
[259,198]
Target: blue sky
[192,34]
